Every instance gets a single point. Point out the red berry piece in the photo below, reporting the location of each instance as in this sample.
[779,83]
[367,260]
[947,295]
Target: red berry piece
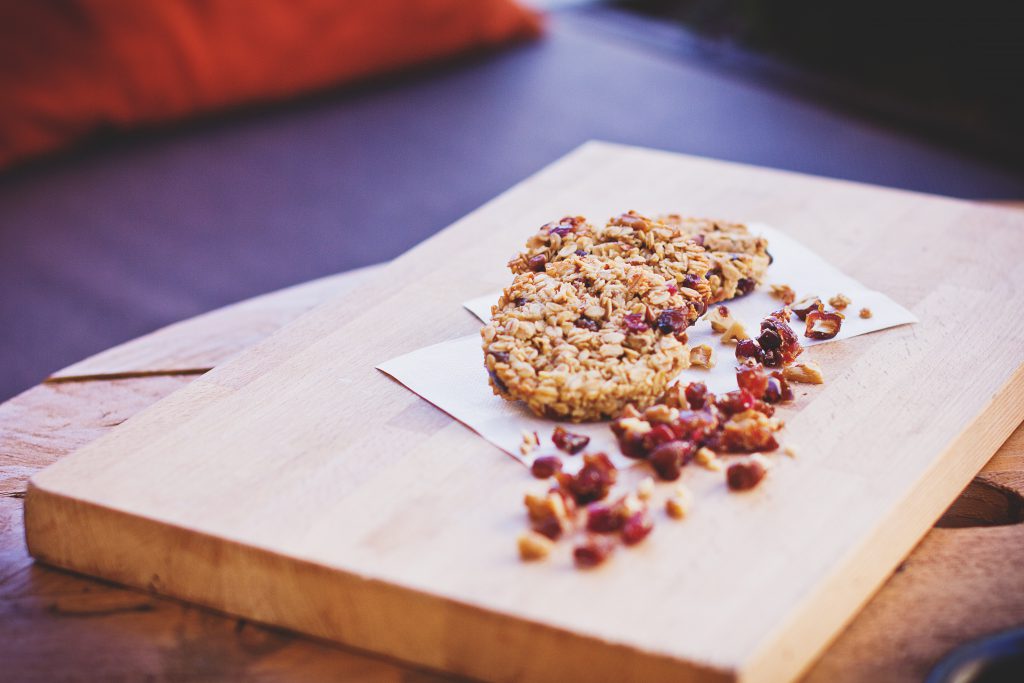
[695,393]
[570,442]
[604,519]
[593,481]
[634,323]
[658,435]
[537,263]
[749,349]
[546,466]
[593,551]
[743,476]
[672,320]
[637,527]
[735,402]
[753,378]
[669,458]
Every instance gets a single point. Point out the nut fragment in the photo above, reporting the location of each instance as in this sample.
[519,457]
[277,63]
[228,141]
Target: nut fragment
[865,313]
[790,450]
[645,489]
[678,504]
[735,332]
[783,292]
[720,319]
[839,301]
[702,357]
[534,546]
[708,459]
[823,324]
[807,372]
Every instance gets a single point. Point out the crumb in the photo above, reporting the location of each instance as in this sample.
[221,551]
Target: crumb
[678,504]
[529,443]
[865,313]
[790,450]
[645,489]
[708,459]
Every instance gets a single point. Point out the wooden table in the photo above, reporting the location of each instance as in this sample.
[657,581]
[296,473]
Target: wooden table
[962,581]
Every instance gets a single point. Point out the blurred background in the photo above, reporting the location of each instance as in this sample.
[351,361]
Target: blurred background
[162,159]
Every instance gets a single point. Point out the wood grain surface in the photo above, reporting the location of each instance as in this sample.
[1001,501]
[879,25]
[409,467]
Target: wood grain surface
[888,526]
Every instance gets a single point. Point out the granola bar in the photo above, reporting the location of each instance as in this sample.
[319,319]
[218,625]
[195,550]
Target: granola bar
[630,238]
[738,258]
[588,333]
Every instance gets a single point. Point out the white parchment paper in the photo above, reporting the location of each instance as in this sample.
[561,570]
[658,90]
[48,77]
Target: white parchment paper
[451,375]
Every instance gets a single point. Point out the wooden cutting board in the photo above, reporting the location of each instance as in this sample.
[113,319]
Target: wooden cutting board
[297,486]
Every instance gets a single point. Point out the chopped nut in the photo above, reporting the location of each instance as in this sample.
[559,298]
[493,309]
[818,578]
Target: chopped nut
[735,332]
[660,412]
[534,546]
[678,504]
[530,442]
[822,324]
[645,489]
[708,459]
[783,292]
[807,372]
[720,319]
[839,301]
[865,313]
[701,357]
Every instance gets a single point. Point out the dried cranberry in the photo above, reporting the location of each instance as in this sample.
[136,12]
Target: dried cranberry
[803,307]
[785,391]
[593,481]
[694,425]
[631,444]
[763,407]
[658,435]
[637,527]
[695,393]
[537,263]
[672,320]
[672,289]
[691,281]
[749,349]
[745,286]
[520,301]
[698,239]
[779,342]
[561,230]
[605,519]
[587,324]
[549,526]
[546,466]
[581,252]
[632,220]
[593,551]
[735,401]
[753,378]
[570,442]
[634,322]
[742,476]
[500,356]
[699,308]
[669,458]
[822,324]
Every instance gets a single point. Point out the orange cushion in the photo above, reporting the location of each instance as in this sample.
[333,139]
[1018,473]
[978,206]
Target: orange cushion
[72,67]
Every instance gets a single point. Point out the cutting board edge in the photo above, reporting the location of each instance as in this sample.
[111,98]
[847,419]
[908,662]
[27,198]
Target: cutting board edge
[466,640]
